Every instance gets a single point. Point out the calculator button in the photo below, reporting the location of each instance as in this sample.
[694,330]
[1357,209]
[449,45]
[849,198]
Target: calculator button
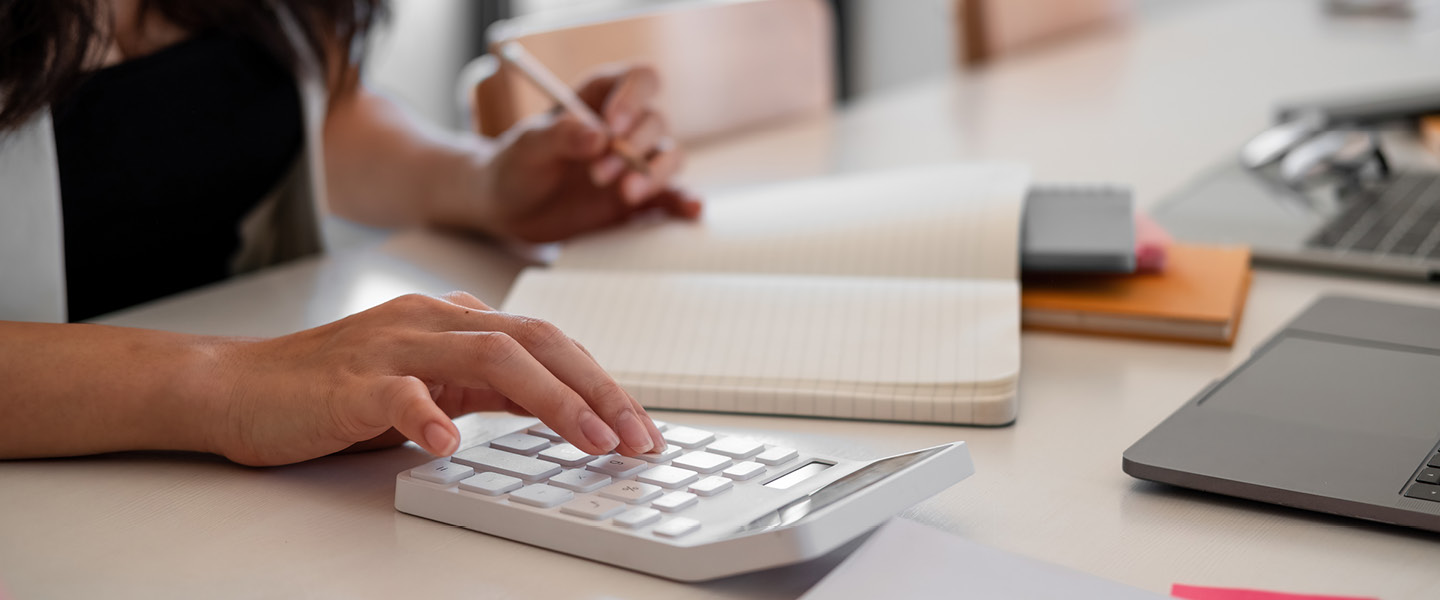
[667,455]
[744,470]
[637,517]
[484,458]
[546,432]
[566,455]
[632,492]
[737,448]
[520,443]
[688,437]
[677,527]
[491,484]
[441,471]
[592,508]
[619,467]
[710,486]
[674,501]
[580,480]
[703,462]
[776,456]
[541,495]
[668,477]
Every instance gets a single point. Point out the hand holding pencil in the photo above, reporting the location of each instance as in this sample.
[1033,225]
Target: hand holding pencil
[605,156]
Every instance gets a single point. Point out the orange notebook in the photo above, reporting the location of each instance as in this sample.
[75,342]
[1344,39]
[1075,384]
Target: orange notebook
[1199,297]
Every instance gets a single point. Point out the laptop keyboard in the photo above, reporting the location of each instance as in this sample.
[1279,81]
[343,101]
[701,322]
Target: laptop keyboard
[1402,219]
[1427,484]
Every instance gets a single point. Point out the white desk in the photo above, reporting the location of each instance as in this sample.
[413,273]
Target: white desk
[1151,105]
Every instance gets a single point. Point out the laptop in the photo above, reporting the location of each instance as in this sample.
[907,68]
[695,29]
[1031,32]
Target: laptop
[1390,227]
[1339,413]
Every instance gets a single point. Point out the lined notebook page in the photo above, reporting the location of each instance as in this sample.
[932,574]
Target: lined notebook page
[952,221]
[852,339]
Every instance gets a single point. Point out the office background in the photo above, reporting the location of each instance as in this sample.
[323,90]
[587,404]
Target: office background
[881,44]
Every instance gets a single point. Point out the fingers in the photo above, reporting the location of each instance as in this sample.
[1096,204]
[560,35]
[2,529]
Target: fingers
[465,299]
[573,366]
[531,363]
[625,100]
[629,100]
[564,138]
[676,202]
[454,356]
[647,135]
[636,188]
[499,361]
[405,404]
[649,139]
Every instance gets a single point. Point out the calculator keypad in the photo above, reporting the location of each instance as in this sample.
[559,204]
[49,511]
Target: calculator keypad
[580,480]
[745,470]
[668,477]
[619,467]
[491,484]
[542,495]
[674,501]
[483,458]
[520,443]
[677,527]
[536,467]
[687,437]
[711,486]
[566,455]
[441,472]
[702,462]
[633,492]
[598,509]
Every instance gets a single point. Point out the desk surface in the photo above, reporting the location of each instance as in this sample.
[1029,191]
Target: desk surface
[1150,104]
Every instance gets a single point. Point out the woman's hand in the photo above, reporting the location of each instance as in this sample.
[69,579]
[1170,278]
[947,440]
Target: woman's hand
[553,177]
[408,366]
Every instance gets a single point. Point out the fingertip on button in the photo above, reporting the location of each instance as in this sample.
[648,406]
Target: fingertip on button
[635,434]
[598,433]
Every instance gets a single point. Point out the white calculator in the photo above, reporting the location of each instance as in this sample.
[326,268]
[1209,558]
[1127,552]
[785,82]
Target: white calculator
[711,505]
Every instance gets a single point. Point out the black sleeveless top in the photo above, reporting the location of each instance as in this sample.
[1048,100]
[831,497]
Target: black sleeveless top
[161,158]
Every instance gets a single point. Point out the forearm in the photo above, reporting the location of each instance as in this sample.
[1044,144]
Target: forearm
[83,389]
[387,168]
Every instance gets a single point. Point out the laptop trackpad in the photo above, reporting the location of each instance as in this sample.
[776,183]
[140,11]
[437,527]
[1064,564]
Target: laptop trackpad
[1310,408]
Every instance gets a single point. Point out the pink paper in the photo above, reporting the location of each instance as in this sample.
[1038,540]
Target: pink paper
[1194,592]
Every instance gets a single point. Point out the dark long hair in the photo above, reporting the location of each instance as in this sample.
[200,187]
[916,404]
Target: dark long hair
[45,44]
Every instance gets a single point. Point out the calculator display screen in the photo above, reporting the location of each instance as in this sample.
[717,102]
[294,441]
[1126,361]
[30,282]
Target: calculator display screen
[835,490]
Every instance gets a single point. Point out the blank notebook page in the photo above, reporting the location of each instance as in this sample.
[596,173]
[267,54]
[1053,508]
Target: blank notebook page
[952,221]
[757,330]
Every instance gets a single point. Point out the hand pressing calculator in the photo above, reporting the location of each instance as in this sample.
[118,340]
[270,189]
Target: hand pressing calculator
[709,506]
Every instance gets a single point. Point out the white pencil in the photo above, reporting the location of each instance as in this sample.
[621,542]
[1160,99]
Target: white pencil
[515,54]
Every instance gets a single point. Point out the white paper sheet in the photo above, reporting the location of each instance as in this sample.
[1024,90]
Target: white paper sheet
[905,559]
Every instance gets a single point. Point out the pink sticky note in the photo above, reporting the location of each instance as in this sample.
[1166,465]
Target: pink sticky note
[1195,592]
[1151,242]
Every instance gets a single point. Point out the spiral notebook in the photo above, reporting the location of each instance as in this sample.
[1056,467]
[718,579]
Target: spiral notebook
[886,296]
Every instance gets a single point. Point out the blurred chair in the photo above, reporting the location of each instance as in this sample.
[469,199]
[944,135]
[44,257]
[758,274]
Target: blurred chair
[990,29]
[725,65]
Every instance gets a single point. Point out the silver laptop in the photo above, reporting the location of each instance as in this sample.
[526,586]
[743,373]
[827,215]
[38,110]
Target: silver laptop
[1390,226]
[1339,412]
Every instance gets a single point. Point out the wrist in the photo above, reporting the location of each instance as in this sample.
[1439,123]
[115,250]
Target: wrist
[199,409]
[462,193]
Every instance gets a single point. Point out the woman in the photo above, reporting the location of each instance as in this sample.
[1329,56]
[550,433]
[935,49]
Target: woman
[186,138]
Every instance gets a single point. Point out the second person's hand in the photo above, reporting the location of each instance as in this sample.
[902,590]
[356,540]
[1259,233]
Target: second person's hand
[553,177]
